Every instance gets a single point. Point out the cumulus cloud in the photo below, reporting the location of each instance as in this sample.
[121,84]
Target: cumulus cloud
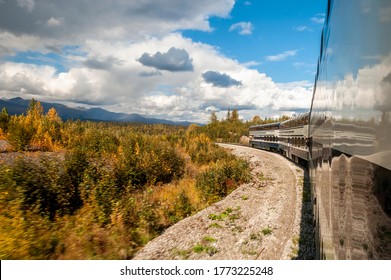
[126,56]
[220,79]
[101,63]
[129,87]
[174,60]
[282,56]
[102,19]
[149,73]
[244,28]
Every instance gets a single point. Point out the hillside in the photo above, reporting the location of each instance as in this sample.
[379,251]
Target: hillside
[17,106]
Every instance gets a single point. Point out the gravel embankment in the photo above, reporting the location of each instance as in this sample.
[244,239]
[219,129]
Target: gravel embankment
[264,219]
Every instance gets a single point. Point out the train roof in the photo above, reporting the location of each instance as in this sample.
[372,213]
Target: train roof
[266,125]
[300,119]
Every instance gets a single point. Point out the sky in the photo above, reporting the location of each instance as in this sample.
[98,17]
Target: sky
[173,59]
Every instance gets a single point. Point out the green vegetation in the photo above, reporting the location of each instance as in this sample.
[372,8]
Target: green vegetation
[267,231]
[262,177]
[210,239]
[229,213]
[86,190]
[215,225]
[232,128]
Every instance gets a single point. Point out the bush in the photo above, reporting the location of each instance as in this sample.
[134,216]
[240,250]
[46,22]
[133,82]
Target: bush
[202,150]
[148,160]
[220,180]
[20,133]
[41,185]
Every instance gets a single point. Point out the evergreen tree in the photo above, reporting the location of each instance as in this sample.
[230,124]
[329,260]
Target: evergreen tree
[4,120]
[229,114]
[256,120]
[213,117]
[234,115]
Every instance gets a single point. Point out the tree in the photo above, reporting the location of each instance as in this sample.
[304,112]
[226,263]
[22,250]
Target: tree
[51,129]
[256,119]
[229,114]
[234,115]
[34,111]
[213,117]
[20,133]
[4,120]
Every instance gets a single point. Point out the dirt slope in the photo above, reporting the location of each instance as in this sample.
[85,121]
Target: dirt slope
[264,219]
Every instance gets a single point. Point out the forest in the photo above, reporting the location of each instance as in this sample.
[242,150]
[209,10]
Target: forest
[95,190]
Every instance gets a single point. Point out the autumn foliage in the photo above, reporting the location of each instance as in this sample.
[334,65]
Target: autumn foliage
[86,190]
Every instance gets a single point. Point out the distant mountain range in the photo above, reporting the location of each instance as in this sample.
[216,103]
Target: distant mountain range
[17,105]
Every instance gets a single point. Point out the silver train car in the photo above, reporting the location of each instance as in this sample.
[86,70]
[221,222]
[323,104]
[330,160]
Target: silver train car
[350,132]
[346,137]
[290,137]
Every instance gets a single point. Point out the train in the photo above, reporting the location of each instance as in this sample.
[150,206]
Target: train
[289,137]
[345,138]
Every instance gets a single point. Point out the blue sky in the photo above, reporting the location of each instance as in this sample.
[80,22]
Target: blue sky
[170,59]
[276,27]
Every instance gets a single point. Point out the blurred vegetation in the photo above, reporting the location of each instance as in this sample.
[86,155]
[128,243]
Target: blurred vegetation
[231,128]
[88,190]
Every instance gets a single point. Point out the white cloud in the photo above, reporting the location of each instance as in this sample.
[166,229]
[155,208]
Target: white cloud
[114,82]
[251,63]
[318,18]
[54,21]
[282,56]
[244,28]
[26,4]
[302,28]
[102,19]
[102,53]
[298,85]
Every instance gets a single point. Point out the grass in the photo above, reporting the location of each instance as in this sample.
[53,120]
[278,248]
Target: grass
[267,231]
[221,216]
[184,254]
[255,236]
[210,239]
[262,177]
[215,225]
[200,248]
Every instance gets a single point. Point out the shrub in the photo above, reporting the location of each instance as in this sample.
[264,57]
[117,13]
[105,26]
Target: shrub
[148,160]
[4,120]
[20,133]
[217,182]
[42,186]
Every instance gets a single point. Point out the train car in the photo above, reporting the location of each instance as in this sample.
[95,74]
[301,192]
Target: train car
[290,137]
[265,136]
[293,138]
[350,129]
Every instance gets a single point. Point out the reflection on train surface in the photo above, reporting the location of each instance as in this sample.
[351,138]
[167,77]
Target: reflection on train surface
[350,131]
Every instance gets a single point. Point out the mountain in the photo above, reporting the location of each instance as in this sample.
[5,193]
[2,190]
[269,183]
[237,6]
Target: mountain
[17,105]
